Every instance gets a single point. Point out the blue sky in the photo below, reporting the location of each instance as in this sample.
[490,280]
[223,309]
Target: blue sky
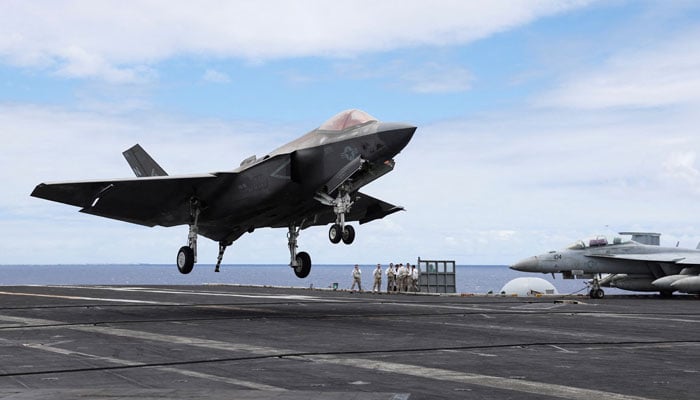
[539,122]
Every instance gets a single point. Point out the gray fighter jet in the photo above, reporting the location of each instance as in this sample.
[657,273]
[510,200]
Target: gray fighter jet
[638,264]
[313,180]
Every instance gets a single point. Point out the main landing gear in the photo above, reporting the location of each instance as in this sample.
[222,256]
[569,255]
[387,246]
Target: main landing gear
[187,255]
[341,206]
[300,262]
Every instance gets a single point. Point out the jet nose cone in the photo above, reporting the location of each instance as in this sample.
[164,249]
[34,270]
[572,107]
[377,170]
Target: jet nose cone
[530,264]
[395,135]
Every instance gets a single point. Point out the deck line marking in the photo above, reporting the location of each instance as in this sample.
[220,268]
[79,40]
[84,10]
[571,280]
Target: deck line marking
[628,316]
[56,296]
[201,293]
[233,381]
[563,350]
[460,308]
[143,335]
[517,385]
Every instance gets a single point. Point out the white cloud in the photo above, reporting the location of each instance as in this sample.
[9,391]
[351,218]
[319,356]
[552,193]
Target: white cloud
[75,62]
[214,76]
[666,73]
[427,77]
[682,168]
[437,78]
[114,42]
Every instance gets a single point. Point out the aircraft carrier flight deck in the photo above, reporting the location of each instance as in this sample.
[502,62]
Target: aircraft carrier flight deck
[224,342]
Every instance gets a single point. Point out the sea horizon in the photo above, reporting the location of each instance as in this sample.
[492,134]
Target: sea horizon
[474,279]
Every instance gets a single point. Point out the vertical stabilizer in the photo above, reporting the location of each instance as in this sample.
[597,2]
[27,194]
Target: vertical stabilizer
[141,163]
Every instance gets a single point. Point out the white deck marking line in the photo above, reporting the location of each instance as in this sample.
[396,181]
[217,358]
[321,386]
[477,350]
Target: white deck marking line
[463,308]
[519,329]
[156,337]
[628,316]
[198,293]
[232,381]
[518,385]
[56,296]
[563,350]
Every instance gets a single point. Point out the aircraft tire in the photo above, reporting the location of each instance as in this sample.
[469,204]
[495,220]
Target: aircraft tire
[597,294]
[185,260]
[348,234]
[335,233]
[303,267]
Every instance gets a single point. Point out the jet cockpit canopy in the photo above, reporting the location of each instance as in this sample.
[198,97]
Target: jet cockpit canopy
[577,245]
[596,241]
[346,119]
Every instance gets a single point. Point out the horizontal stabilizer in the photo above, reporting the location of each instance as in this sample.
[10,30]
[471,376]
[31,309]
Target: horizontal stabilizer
[141,163]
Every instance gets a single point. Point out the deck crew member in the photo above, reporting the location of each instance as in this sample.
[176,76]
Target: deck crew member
[401,278]
[390,278]
[356,278]
[377,279]
[414,278]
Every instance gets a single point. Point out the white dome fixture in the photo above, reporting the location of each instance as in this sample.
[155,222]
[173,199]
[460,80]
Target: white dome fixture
[528,287]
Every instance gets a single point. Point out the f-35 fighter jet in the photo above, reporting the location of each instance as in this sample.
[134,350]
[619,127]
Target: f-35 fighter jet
[313,180]
[639,264]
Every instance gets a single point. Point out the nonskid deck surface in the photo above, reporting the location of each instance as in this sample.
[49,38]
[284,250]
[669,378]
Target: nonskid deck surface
[254,343]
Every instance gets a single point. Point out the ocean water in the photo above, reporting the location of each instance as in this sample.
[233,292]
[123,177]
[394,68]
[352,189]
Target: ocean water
[477,279]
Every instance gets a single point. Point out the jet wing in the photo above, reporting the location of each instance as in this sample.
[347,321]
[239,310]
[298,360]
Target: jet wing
[676,258]
[146,201]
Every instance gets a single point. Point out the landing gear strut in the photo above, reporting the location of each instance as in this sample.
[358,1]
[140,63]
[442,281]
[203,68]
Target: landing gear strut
[187,255]
[341,206]
[301,262]
[596,292]
[222,249]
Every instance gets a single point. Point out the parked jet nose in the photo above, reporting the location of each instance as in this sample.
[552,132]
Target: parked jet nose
[530,264]
[395,136]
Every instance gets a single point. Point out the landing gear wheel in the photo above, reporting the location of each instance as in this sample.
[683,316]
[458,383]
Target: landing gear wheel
[335,233]
[185,260]
[303,267]
[348,234]
[597,294]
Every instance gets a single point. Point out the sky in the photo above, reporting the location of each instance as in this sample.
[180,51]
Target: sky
[539,122]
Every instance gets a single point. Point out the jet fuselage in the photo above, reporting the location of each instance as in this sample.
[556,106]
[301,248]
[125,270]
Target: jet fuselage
[267,191]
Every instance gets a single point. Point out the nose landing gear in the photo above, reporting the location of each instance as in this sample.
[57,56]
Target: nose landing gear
[596,292]
[341,206]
